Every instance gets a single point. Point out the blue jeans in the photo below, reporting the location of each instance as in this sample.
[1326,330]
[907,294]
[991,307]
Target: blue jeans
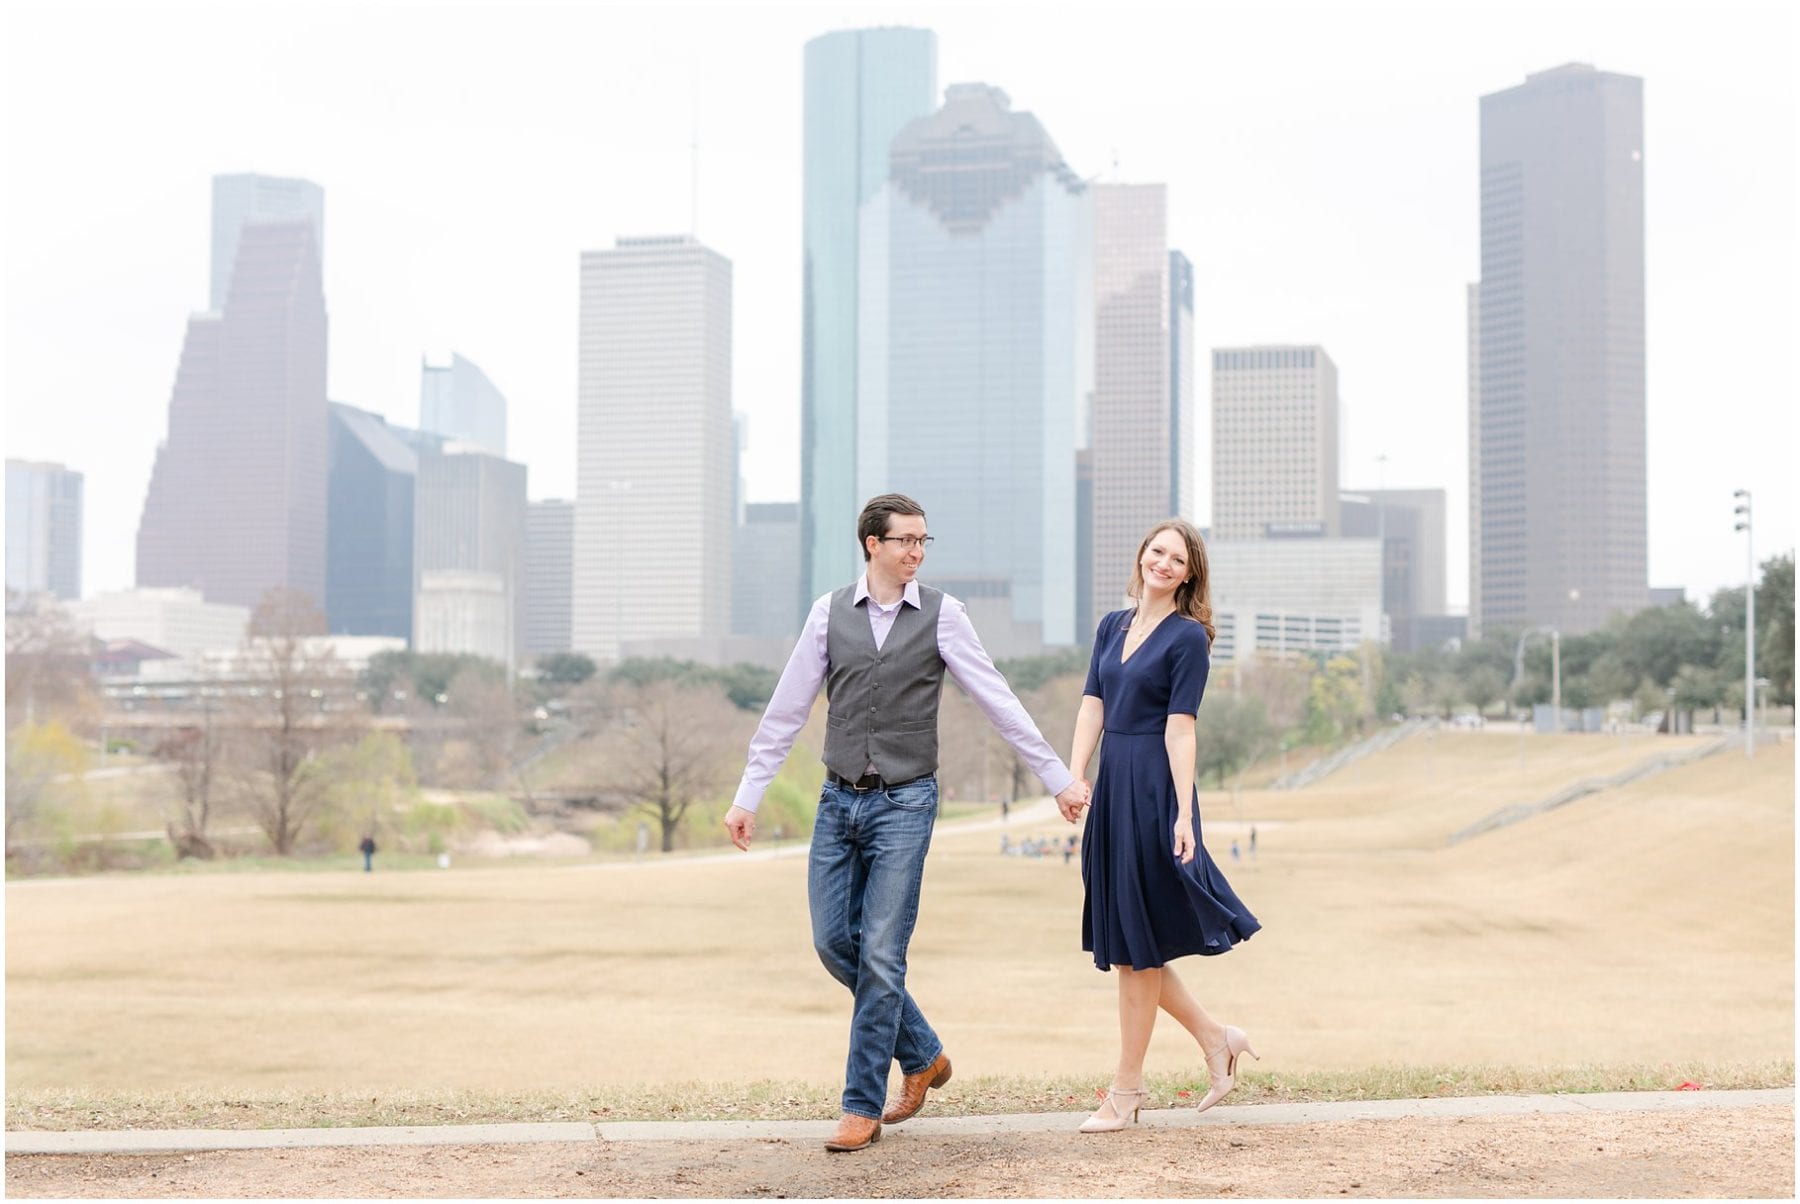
[867,860]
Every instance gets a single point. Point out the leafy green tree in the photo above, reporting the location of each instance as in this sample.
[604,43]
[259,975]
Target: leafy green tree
[44,761]
[368,784]
[1608,678]
[565,668]
[748,686]
[1775,628]
[425,676]
[1030,672]
[1696,687]
[1482,686]
[1334,701]
[1655,642]
[1229,733]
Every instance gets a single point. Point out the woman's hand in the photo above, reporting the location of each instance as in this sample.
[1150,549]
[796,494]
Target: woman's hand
[1184,841]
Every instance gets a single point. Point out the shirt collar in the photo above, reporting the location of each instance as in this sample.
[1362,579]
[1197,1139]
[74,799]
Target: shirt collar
[910,595]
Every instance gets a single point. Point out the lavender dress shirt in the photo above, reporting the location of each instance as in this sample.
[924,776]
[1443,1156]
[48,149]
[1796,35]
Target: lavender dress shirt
[965,658]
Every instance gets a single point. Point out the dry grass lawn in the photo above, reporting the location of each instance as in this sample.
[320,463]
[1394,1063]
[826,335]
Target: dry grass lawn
[1645,925]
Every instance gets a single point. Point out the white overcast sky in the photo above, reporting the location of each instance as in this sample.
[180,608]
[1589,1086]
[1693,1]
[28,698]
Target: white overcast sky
[1321,163]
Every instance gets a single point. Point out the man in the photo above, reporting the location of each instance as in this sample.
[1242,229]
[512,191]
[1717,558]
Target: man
[880,647]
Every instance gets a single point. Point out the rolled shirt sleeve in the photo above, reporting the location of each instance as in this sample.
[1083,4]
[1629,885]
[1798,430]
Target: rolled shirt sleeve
[788,708]
[974,671]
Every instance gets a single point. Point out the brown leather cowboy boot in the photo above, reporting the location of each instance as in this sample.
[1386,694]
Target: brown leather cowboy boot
[913,1088]
[854,1133]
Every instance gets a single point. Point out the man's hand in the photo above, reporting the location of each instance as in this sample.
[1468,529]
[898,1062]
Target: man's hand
[741,824]
[1073,798]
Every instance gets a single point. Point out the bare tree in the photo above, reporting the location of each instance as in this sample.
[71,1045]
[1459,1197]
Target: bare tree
[668,746]
[47,665]
[1282,687]
[194,752]
[487,717]
[282,720]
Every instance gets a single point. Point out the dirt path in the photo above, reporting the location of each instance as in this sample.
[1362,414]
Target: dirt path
[1737,1152]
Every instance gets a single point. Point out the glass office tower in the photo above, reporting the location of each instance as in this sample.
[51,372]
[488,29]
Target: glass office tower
[976,356]
[862,86]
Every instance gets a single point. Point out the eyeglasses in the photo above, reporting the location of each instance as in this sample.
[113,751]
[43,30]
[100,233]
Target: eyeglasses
[909,542]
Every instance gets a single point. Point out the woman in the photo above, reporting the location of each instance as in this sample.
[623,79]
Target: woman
[1153,894]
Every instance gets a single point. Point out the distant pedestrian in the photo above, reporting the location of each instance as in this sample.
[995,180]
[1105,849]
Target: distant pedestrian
[1069,850]
[1235,855]
[643,838]
[368,851]
[1253,842]
[1005,809]
[1005,844]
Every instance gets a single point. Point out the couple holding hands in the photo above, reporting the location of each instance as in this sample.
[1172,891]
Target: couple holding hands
[880,647]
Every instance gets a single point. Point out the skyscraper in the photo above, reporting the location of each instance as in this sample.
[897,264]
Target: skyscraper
[458,401]
[1142,419]
[369,525]
[766,551]
[549,575]
[1275,442]
[237,496]
[245,198]
[862,86]
[1410,524]
[1558,425]
[976,339]
[468,552]
[654,445]
[43,529]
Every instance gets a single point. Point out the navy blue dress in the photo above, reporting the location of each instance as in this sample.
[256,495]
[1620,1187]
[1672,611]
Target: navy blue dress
[1143,907]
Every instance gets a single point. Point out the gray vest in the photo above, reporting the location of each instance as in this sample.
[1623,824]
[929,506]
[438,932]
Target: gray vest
[882,703]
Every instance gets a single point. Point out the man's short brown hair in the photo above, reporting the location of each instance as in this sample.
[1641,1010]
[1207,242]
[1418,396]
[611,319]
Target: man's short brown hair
[875,515]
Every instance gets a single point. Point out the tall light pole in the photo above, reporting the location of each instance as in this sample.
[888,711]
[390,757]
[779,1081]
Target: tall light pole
[1743,524]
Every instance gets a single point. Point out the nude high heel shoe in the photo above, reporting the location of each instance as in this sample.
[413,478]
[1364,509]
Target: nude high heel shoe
[1222,1081]
[1121,1108]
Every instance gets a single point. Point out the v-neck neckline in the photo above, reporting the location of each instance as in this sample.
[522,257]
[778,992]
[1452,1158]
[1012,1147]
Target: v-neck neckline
[1125,657]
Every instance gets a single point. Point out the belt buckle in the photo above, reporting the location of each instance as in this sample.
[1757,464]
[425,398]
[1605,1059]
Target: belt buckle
[873,780]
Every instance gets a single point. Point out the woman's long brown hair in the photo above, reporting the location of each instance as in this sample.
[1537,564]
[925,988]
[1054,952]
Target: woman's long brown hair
[1193,597]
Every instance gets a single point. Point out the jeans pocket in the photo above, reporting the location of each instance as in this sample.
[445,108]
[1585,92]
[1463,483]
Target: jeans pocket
[914,796]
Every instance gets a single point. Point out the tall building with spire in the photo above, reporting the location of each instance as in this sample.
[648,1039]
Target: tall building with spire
[976,337]
[1557,456]
[237,497]
[862,87]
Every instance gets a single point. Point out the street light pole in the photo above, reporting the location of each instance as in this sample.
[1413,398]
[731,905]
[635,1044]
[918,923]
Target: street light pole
[1743,508]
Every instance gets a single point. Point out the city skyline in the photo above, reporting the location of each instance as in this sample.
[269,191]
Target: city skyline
[1267,270]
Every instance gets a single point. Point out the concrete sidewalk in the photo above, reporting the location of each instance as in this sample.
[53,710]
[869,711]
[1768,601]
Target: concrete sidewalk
[155,1141]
